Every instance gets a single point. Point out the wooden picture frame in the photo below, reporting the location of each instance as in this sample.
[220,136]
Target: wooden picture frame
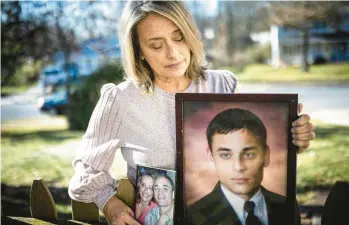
[197,176]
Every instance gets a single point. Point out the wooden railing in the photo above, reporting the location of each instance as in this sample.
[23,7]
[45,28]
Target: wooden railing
[42,204]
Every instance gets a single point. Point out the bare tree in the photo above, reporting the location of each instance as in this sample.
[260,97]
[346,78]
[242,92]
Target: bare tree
[35,29]
[301,15]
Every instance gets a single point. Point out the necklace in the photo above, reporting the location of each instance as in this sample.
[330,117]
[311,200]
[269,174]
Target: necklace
[165,212]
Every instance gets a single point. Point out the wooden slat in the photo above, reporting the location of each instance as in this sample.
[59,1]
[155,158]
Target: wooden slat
[126,192]
[86,212]
[26,221]
[42,205]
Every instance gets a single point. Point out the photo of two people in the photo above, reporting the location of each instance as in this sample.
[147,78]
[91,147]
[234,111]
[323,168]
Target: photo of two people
[235,163]
[155,196]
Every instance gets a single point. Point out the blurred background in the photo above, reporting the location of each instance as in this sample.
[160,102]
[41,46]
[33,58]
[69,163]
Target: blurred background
[55,56]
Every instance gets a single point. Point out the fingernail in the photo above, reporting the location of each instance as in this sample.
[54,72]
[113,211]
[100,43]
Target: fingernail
[293,136]
[292,130]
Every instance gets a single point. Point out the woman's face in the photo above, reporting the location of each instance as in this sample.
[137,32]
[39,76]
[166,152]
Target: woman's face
[146,188]
[163,46]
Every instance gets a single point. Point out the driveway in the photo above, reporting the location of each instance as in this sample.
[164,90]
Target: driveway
[329,103]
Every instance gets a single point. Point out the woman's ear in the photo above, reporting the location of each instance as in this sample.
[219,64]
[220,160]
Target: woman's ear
[141,55]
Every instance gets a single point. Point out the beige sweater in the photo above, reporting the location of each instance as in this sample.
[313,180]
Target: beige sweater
[142,126]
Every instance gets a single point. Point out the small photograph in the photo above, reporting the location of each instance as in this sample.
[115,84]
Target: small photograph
[155,196]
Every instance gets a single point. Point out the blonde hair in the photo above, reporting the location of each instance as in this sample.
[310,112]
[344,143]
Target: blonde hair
[139,71]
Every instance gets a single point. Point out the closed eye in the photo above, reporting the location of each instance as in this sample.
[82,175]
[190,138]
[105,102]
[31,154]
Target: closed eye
[179,39]
[156,46]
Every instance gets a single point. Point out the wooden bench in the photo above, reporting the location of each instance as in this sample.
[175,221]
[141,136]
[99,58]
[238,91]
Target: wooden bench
[42,204]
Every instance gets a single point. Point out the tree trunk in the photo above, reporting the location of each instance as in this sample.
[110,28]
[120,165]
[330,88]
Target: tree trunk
[305,49]
[230,47]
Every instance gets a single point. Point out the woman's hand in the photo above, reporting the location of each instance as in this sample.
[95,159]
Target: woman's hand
[118,213]
[302,131]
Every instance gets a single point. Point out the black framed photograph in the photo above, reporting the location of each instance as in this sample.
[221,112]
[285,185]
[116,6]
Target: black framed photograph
[235,159]
[155,196]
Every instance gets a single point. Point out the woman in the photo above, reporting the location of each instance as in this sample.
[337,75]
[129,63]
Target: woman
[145,195]
[162,54]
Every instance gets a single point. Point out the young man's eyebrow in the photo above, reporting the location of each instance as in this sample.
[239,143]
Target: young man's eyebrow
[223,149]
[249,148]
[157,185]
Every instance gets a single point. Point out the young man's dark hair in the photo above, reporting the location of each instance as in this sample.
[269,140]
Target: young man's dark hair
[231,120]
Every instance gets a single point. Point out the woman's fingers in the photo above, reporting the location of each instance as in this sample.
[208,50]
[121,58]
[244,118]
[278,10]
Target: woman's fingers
[301,144]
[118,213]
[300,108]
[304,137]
[308,127]
[125,218]
[301,121]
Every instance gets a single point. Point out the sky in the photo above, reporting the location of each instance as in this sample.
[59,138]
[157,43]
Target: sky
[76,12]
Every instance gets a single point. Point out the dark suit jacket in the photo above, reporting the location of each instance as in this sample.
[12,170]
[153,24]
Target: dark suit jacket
[215,209]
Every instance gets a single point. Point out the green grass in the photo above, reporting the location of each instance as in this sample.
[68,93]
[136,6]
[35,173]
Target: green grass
[44,148]
[330,73]
[12,90]
[27,153]
[325,162]
[26,149]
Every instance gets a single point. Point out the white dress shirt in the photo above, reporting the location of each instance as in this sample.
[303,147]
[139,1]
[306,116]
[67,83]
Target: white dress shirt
[238,205]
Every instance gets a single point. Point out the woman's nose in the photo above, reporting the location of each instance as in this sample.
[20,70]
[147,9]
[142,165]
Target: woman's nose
[172,51]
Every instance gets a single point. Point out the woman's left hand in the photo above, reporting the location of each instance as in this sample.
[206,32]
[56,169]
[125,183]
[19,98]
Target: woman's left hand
[302,131]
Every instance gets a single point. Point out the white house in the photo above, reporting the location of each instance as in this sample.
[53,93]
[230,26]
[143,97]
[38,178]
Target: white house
[325,43]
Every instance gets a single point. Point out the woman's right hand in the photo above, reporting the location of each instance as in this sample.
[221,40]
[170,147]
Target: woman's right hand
[118,213]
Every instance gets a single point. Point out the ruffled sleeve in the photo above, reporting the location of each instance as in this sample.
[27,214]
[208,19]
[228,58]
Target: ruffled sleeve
[230,81]
[92,181]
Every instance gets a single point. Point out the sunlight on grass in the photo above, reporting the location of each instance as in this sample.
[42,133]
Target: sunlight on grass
[25,154]
[325,162]
[18,89]
[307,197]
[337,73]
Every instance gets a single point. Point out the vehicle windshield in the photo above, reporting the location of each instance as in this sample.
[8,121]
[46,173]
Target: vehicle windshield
[51,72]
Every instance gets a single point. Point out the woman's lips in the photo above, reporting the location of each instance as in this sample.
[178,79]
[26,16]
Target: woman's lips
[175,65]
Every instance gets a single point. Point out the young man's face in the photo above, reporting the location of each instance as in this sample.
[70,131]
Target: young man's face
[239,159]
[163,192]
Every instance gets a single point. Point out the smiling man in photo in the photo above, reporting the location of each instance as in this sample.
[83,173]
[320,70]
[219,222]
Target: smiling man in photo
[237,141]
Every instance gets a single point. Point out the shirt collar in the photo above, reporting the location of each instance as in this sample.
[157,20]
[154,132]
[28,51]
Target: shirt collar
[258,199]
[238,203]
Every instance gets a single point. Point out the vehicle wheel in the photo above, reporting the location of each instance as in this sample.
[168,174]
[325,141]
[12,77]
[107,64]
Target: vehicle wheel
[59,111]
[52,111]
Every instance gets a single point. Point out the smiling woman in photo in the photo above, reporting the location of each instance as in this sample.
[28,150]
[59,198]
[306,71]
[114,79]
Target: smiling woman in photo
[145,194]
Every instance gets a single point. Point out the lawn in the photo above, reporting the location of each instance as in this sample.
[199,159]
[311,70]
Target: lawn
[12,90]
[329,73]
[39,148]
[325,162]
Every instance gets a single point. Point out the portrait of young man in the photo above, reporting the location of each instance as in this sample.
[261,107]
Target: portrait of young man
[237,146]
